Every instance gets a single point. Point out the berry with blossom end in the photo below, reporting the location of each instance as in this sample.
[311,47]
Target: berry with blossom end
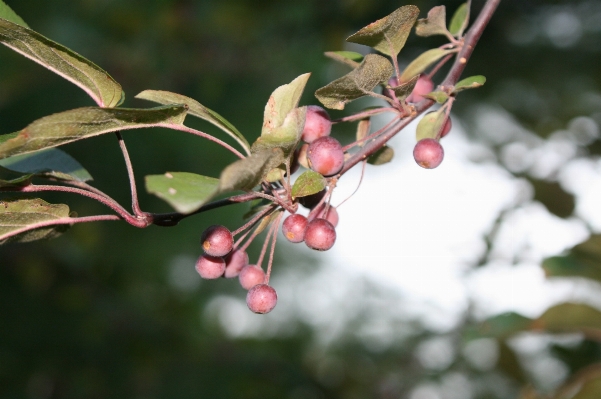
[250,276]
[320,235]
[217,240]
[261,298]
[294,227]
[210,267]
[317,124]
[325,156]
[428,153]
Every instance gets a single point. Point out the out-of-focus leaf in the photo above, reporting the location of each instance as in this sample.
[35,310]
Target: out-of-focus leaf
[363,129]
[281,102]
[7,136]
[430,126]
[265,222]
[9,178]
[51,162]
[439,96]
[571,317]
[96,82]
[434,24]
[374,70]
[389,34]
[403,90]
[308,183]
[82,123]
[185,192]
[584,260]
[471,82]
[248,172]
[7,13]
[198,110]
[460,20]
[509,363]
[585,384]
[381,157]
[285,136]
[22,220]
[349,58]
[500,326]
[422,62]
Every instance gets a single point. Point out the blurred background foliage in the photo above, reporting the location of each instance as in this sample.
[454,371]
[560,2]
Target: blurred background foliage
[110,311]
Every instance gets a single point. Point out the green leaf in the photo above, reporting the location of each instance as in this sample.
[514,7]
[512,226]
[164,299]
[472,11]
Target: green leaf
[403,90]
[185,192]
[51,162]
[97,83]
[430,126]
[381,157]
[570,317]
[82,123]
[363,129]
[8,178]
[471,82]
[349,58]
[422,62]
[7,13]
[374,70]
[439,96]
[584,260]
[7,136]
[196,109]
[285,136]
[500,326]
[435,24]
[22,220]
[460,20]
[246,173]
[308,183]
[389,34]
[281,102]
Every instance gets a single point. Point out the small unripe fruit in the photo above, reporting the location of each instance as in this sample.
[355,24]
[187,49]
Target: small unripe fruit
[250,276]
[428,153]
[294,227]
[325,156]
[217,241]
[311,201]
[331,215]
[261,298]
[234,262]
[423,86]
[320,235]
[210,267]
[317,124]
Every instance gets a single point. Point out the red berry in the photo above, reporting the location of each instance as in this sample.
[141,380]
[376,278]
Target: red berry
[423,86]
[326,156]
[428,153]
[250,276]
[446,128]
[320,235]
[317,124]
[331,216]
[294,227]
[217,241]
[234,262]
[210,267]
[261,298]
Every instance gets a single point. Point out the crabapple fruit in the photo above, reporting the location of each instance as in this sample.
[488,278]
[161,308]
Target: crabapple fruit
[325,156]
[428,153]
[301,155]
[331,215]
[234,262]
[217,240]
[294,227]
[210,267]
[261,298]
[446,128]
[423,86]
[320,234]
[317,124]
[250,276]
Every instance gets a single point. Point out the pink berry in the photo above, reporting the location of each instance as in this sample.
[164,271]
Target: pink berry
[317,124]
[428,153]
[331,215]
[320,235]
[326,156]
[234,262]
[250,276]
[261,298]
[446,128]
[210,267]
[423,86]
[294,227]
[302,155]
[217,241]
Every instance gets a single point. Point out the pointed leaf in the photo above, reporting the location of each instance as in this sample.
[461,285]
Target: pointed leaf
[381,157]
[422,62]
[439,96]
[374,70]
[584,260]
[97,83]
[403,90]
[308,183]
[471,82]
[435,24]
[20,220]
[196,109]
[349,58]
[7,13]
[570,317]
[185,192]
[363,129]
[283,100]
[8,178]
[430,126]
[389,34]
[285,136]
[248,172]
[81,123]
[460,20]
[51,162]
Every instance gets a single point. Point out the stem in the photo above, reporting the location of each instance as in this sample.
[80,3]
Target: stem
[369,137]
[254,220]
[276,229]
[204,135]
[266,242]
[135,205]
[365,114]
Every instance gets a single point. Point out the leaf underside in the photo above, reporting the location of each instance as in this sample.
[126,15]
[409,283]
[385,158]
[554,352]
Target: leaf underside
[422,62]
[51,162]
[435,24]
[24,214]
[309,182]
